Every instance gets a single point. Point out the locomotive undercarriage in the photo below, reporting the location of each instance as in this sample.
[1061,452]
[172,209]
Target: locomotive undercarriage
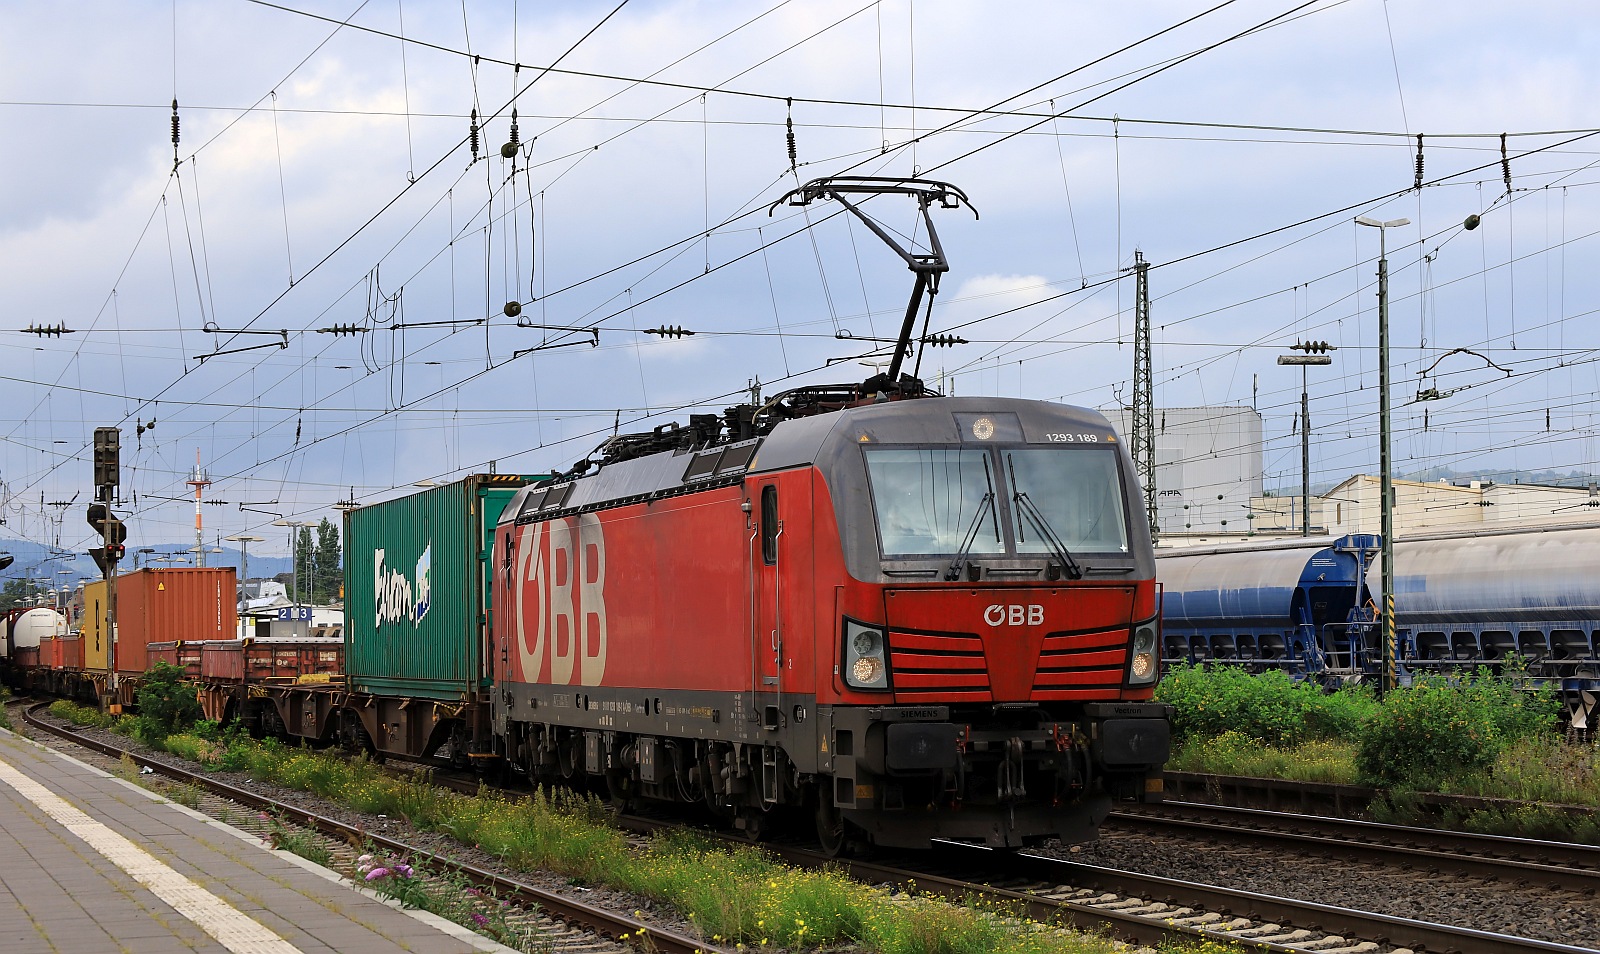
[894,776]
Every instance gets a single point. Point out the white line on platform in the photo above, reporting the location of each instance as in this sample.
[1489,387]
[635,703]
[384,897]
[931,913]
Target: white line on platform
[236,931]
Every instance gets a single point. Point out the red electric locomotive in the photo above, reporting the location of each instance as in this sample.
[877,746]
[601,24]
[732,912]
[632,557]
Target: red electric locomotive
[919,617]
[922,619]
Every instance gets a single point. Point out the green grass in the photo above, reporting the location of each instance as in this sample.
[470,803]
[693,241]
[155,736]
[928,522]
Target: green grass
[735,895]
[1233,753]
[299,841]
[447,893]
[1480,735]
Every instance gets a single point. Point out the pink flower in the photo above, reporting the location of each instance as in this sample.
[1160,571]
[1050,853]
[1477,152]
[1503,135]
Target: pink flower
[377,873]
[479,919]
[403,870]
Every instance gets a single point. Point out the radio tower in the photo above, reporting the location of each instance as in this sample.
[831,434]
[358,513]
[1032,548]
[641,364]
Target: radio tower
[199,482]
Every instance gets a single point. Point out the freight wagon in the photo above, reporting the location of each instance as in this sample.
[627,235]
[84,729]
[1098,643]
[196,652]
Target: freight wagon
[1526,596]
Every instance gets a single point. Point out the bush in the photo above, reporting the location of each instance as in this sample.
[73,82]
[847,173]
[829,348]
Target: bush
[166,703]
[1439,728]
[1269,707]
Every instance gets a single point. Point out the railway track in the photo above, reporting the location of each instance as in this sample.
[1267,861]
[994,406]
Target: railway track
[1140,908]
[1561,865]
[1151,909]
[596,920]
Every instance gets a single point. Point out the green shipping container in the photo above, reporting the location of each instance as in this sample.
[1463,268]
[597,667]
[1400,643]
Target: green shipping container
[417,590]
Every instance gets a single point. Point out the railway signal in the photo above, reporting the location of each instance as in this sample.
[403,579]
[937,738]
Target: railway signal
[107,450]
[112,533]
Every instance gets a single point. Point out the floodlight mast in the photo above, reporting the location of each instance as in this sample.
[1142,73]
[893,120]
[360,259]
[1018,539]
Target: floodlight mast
[927,266]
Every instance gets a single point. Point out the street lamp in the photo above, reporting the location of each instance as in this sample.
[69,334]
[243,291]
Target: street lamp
[200,554]
[64,590]
[1386,478]
[244,540]
[1311,356]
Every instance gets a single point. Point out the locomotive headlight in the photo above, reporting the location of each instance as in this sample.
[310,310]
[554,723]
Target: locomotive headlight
[1143,663]
[865,660]
[866,670]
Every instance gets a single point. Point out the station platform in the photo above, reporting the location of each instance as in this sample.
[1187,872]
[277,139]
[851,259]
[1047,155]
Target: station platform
[92,863]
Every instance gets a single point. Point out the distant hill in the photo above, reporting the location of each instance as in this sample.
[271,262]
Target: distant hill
[36,561]
[1432,474]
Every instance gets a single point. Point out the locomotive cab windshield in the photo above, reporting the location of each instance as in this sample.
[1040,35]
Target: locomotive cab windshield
[1006,501]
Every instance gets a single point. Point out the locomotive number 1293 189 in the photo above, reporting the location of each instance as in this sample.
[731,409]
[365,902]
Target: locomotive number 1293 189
[1072,438]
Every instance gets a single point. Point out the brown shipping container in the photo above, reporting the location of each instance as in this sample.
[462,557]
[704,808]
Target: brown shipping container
[261,660]
[69,649]
[27,657]
[223,661]
[162,652]
[94,626]
[49,652]
[166,605]
[183,654]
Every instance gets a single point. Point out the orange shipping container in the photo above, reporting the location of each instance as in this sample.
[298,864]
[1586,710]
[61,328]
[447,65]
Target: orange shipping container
[94,626]
[184,655]
[70,651]
[166,605]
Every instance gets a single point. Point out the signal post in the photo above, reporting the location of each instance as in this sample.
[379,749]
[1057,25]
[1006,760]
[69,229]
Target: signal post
[112,531]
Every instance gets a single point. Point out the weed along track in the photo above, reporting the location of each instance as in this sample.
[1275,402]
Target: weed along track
[561,923]
[1043,895]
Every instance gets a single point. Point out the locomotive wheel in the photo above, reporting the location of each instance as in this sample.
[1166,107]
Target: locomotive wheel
[753,823]
[833,832]
[619,791]
[567,756]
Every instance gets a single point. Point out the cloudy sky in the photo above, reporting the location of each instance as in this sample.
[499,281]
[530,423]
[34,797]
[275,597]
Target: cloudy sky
[325,180]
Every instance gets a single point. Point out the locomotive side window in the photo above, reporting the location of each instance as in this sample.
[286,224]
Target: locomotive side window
[769,525]
[1079,492]
[927,499]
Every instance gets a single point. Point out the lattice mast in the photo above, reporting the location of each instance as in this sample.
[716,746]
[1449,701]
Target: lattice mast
[1144,394]
[199,481]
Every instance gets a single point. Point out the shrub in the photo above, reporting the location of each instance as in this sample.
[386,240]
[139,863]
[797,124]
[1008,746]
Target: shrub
[1269,707]
[166,703]
[1439,728]
[194,748]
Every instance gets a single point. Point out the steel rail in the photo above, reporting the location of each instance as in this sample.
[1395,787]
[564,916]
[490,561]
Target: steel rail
[1386,929]
[1156,928]
[1527,860]
[588,917]
[1368,925]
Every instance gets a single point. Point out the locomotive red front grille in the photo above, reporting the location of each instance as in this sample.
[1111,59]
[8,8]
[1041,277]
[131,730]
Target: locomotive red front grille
[929,667]
[1081,665]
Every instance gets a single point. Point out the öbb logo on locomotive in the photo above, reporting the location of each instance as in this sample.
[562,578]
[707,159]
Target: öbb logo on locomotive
[558,603]
[1014,614]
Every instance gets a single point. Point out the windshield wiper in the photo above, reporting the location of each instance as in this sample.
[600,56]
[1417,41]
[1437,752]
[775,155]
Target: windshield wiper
[1026,507]
[986,505]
